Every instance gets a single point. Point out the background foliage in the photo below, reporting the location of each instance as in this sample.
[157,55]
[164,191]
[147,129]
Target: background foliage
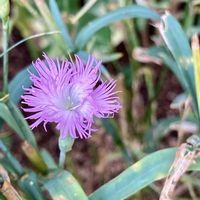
[145,45]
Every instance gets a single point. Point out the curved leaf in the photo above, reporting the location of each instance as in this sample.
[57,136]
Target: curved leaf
[9,161]
[178,45]
[29,183]
[166,57]
[64,186]
[123,13]
[6,115]
[18,82]
[151,168]
[159,130]
[48,159]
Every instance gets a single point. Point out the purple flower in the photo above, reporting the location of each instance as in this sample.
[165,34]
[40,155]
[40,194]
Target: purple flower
[70,94]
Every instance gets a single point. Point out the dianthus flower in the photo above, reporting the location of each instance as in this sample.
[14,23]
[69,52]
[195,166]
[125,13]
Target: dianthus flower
[69,93]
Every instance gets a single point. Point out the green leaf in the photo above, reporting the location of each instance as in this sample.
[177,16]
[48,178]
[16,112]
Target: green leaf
[196,60]
[70,7]
[101,42]
[11,163]
[64,186]
[151,168]
[56,15]
[48,159]
[6,115]
[178,45]
[2,197]
[166,57]
[29,38]
[18,82]
[157,132]
[15,91]
[112,128]
[22,123]
[121,14]
[29,183]
[110,57]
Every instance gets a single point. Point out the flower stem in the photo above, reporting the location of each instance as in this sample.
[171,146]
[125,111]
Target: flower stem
[65,145]
[5,23]
[62,159]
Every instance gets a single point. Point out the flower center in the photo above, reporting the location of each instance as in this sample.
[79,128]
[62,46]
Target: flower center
[70,105]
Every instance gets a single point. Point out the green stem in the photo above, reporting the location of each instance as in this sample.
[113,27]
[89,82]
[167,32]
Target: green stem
[62,159]
[5,23]
[65,145]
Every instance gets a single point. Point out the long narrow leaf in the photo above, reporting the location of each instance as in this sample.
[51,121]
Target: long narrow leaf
[6,115]
[159,130]
[151,168]
[29,183]
[196,57]
[11,160]
[64,186]
[144,172]
[178,45]
[56,15]
[29,38]
[18,82]
[168,60]
[121,14]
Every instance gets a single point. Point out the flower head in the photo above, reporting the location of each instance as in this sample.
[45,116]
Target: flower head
[69,93]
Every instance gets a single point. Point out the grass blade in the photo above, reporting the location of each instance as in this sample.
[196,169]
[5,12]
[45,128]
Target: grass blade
[151,168]
[6,115]
[56,15]
[64,186]
[178,45]
[121,14]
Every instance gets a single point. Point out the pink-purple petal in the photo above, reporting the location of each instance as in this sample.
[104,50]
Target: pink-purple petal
[69,94]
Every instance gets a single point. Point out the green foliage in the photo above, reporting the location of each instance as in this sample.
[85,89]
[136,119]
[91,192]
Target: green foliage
[121,14]
[63,185]
[112,31]
[7,117]
[56,14]
[178,45]
[157,132]
[151,168]
[29,183]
